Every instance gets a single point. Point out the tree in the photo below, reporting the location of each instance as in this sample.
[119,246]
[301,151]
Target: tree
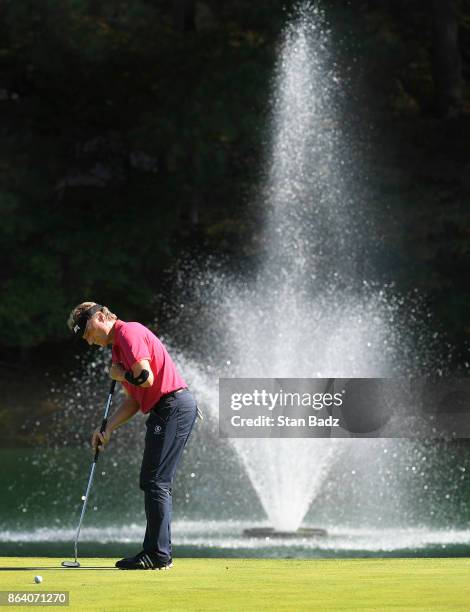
[447,65]
[184,13]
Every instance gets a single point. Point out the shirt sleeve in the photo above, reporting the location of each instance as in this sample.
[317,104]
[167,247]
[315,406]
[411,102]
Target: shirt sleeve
[134,346]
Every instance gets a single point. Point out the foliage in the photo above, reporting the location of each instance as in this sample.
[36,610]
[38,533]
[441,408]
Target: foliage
[126,142]
[115,127]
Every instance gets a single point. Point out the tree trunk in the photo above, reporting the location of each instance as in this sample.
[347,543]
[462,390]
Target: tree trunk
[184,12]
[447,65]
[95,8]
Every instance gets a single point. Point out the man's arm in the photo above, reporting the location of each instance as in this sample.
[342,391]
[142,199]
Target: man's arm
[137,369]
[118,373]
[126,411]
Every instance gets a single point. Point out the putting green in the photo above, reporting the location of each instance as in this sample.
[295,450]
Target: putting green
[252,584]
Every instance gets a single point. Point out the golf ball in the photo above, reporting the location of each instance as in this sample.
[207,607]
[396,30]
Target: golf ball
[37,579]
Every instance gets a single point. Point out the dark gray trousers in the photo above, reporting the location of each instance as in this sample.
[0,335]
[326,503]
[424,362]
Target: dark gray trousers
[169,426]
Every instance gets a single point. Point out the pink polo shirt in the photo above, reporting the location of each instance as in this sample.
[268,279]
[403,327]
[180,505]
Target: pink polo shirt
[133,342]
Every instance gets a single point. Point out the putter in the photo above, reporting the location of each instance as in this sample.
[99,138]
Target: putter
[90,480]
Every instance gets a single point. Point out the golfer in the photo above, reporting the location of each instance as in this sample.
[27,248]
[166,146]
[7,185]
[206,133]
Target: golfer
[152,384]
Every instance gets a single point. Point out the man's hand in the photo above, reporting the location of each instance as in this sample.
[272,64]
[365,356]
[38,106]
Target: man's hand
[100,439]
[116,372]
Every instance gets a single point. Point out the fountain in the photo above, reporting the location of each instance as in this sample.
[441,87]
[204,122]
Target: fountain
[307,311]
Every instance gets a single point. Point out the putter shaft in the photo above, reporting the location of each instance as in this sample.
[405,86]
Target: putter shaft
[93,466]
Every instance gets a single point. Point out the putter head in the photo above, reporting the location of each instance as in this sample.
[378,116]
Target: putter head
[70,564]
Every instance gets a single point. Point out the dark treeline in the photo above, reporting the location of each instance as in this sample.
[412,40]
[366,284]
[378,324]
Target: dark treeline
[132,132]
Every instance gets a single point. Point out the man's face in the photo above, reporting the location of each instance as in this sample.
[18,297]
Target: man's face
[96,331]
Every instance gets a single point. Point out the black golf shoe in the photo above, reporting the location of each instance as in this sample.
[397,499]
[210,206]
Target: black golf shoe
[143,561]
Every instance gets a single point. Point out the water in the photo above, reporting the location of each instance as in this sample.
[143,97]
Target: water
[309,309]
[217,538]
[377,507]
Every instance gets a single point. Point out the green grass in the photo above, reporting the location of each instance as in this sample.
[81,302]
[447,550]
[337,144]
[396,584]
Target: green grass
[255,584]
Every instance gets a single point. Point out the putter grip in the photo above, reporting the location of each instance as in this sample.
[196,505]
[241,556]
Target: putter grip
[104,422]
[102,428]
